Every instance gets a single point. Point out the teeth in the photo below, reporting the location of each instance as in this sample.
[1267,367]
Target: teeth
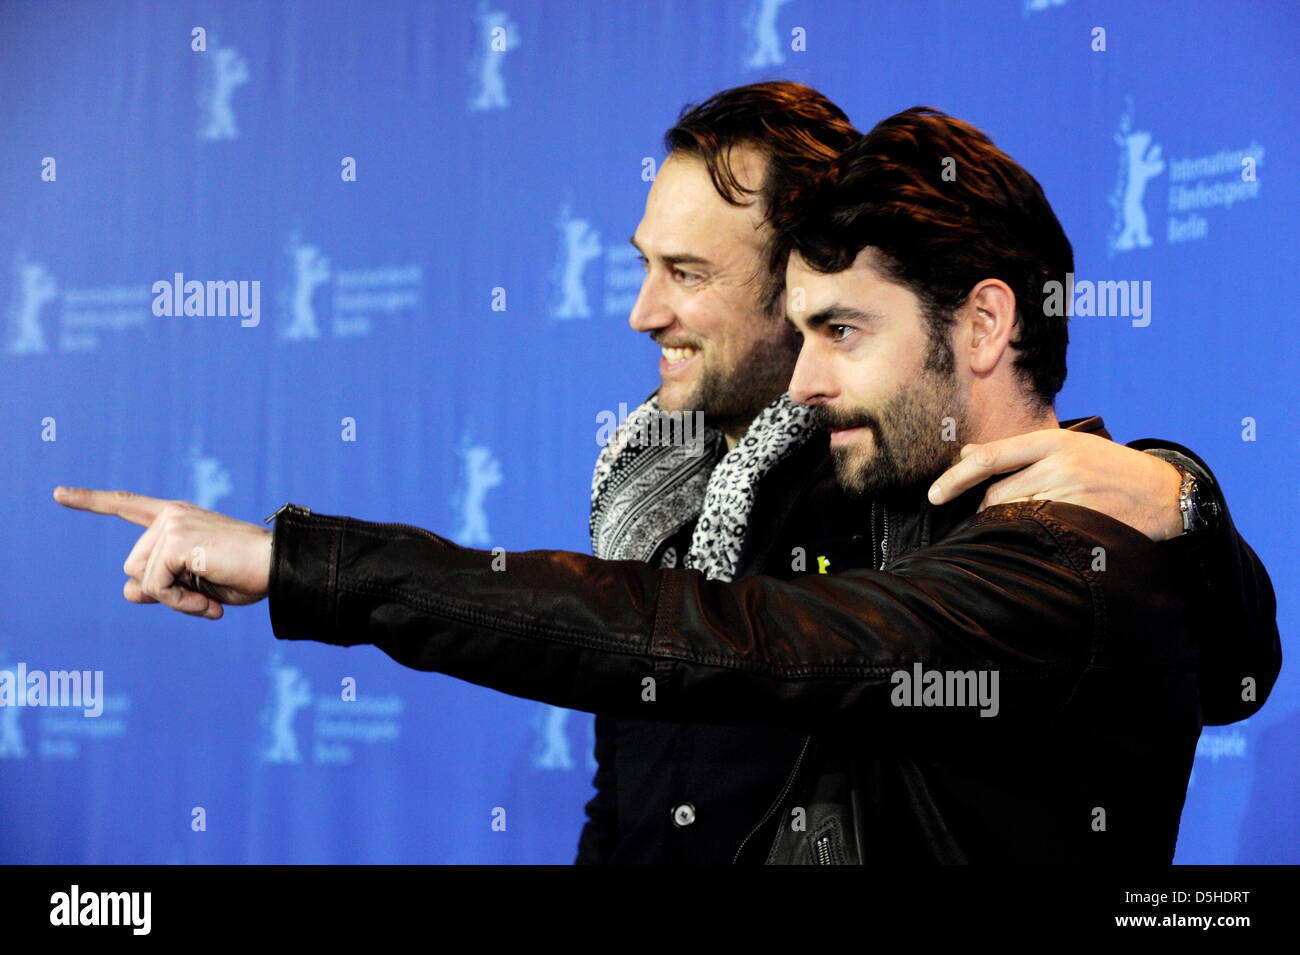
[675,355]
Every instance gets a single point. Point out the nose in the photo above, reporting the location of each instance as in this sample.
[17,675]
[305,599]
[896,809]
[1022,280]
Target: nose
[810,383]
[651,309]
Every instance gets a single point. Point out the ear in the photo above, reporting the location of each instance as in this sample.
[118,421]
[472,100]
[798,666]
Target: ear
[990,316]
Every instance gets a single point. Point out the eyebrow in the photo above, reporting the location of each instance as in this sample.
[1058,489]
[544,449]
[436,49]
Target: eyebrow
[680,258]
[836,314]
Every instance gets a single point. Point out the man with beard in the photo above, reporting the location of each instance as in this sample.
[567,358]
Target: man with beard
[690,781]
[919,303]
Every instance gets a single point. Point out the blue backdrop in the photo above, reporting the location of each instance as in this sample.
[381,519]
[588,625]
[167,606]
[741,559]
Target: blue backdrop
[434,200]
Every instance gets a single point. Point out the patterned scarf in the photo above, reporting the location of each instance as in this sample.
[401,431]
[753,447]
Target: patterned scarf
[643,492]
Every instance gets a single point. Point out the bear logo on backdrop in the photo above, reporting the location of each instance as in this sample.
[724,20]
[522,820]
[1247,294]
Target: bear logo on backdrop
[482,474]
[552,748]
[64,725]
[618,277]
[35,288]
[764,40]
[1218,179]
[579,246]
[497,35]
[1140,162]
[309,270]
[224,71]
[355,300]
[341,724]
[290,692]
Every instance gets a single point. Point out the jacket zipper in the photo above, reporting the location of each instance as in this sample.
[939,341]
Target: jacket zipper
[286,506]
[880,548]
[822,847]
[776,803]
[306,512]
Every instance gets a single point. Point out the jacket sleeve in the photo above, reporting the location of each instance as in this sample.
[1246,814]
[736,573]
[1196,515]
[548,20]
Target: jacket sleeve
[600,831]
[626,639]
[1232,610]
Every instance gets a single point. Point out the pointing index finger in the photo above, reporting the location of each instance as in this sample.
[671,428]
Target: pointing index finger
[981,461]
[136,508]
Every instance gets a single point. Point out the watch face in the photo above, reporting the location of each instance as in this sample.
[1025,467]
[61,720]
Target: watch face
[1187,502]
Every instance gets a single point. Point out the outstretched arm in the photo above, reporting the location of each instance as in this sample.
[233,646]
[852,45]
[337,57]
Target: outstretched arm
[625,639]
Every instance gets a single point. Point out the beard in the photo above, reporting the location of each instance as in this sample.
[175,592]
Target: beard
[908,432]
[731,397]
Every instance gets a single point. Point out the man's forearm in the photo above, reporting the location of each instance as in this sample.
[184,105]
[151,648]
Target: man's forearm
[625,639]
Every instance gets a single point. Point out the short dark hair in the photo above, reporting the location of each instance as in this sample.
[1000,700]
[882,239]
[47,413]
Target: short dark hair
[940,233]
[796,128]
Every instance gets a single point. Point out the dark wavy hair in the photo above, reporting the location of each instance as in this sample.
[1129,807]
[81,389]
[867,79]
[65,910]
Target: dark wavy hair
[940,227]
[795,127]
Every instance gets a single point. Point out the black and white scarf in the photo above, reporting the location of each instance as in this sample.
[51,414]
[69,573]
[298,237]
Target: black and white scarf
[643,493]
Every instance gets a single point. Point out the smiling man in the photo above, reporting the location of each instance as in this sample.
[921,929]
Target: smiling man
[745,586]
[699,300]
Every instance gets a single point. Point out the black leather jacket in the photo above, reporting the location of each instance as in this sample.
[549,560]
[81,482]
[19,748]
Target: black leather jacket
[1083,619]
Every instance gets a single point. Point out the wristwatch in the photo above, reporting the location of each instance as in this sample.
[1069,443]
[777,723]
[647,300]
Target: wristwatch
[1199,510]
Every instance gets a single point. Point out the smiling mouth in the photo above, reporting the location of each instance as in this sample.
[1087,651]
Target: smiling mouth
[675,356]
